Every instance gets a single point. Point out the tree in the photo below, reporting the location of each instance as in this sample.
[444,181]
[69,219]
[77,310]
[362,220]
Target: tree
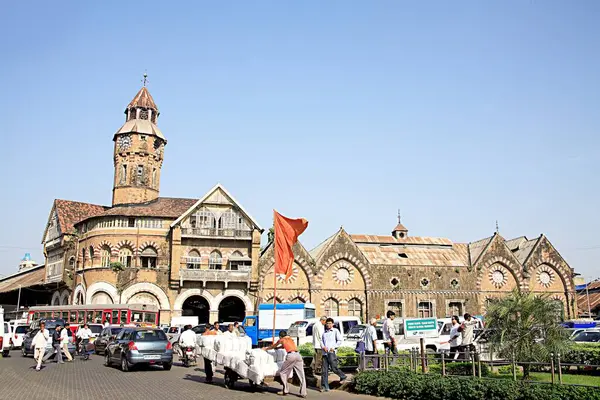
[271,235]
[526,327]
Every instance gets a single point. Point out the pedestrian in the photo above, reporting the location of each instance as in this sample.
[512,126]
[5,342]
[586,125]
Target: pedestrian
[318,329]
[39,343]
[236,330]
[230,331]
[293,363]
[208,370]
[330,341]
[389,333]
[454,340]
[370,339]
[217,328]
[56,345]
[64,341]
[466,329]
[84,334]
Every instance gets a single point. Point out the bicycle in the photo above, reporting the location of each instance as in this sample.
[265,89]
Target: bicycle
[82,349]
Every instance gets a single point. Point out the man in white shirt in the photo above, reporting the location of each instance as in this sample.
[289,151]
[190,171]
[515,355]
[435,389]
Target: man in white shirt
[230,331]
[84,334]
[370,339]
[454,338]
[467,330]
[64,341]
[187,339]
[389,332]
[39,343]
[318,329]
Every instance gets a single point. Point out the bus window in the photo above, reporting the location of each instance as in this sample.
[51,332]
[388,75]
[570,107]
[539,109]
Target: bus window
[36,315]
[73,317]
[80,317]
[149,318]
[136,316]
[97,317]
[64,315]
[89,316]
[115,317]
[123,319]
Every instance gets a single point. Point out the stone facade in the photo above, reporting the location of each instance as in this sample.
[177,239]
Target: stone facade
[203,257]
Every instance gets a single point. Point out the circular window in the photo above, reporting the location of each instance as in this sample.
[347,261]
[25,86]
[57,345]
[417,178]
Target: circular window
[498,277]
[545,278]
[342,274]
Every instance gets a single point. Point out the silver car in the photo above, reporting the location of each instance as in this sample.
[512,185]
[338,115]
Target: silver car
[134,346]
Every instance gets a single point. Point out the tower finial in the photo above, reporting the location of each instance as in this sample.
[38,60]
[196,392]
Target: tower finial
[497,230]
[145,80]
[399,216]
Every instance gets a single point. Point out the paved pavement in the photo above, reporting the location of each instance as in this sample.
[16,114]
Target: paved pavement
[82,380]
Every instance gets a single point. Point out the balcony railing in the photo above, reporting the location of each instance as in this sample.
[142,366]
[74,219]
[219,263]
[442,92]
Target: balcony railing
[216,232]
[243,274]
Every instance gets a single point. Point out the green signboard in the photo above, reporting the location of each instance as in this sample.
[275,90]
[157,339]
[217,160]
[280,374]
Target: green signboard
[420,327]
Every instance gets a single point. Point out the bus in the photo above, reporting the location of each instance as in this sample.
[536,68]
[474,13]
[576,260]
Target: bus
[114,314]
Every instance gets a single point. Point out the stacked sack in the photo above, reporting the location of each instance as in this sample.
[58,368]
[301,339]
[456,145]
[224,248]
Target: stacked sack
[264,363]
[231,350]
[207,345]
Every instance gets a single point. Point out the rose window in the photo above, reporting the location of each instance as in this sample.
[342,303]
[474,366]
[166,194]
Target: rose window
[545,276]
[498,276]
[343,274]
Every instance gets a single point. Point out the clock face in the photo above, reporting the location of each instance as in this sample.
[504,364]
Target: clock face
[124,142]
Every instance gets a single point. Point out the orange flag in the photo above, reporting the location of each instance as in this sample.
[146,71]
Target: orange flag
[286,234]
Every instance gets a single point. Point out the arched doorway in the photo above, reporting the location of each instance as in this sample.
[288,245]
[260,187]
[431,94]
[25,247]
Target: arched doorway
[144,298]
[101,297]
[232,309]
[196,306]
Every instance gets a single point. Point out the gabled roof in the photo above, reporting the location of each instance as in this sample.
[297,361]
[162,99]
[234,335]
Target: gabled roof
[477,248]
[143,99]
[406,240]
[70,212]
[164,207]
[25,278]
[521,247]
[218,186]
[400,227]
[416,255]
[316,252]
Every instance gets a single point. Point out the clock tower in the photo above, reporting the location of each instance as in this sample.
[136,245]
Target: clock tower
[138,153]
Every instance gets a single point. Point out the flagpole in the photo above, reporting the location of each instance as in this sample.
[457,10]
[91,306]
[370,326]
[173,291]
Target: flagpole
[274,277]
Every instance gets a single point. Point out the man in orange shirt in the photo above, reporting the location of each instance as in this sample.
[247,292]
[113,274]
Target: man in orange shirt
[208,371]
[293,363]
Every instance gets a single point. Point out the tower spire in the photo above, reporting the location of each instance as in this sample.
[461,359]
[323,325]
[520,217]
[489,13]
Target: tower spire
[145,80]
[497,229]
[399,217]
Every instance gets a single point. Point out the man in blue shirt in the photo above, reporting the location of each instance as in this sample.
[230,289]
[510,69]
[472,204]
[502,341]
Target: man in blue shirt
[330,341]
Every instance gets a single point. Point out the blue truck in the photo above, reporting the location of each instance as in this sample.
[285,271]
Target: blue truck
[260,327]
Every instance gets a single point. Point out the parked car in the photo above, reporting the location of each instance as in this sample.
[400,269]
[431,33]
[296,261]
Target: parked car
[134,346]
[106,335]
[588,336]
[6,338]
[356,333]
[27,350]
[96,330]
[18,336]
[173,333]
[303,329]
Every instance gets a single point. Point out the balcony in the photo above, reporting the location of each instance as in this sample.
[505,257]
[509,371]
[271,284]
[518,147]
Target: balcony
[216,233]
[242,274]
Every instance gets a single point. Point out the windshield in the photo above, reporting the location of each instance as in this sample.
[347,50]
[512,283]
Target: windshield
[358,329]
[151,335]
[114,331]
[587,337]
[173,329]
[21,329]
[96,328]
[299,324]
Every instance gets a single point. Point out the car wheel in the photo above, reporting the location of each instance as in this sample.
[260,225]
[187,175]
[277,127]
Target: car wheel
[124,363]
[167,366]
[97,351]
[107,362]
[5,353]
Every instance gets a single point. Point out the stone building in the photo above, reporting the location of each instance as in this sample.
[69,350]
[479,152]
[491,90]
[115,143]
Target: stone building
[202,256]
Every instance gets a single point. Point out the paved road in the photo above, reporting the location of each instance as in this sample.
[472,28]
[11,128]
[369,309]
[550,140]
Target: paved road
[82,380]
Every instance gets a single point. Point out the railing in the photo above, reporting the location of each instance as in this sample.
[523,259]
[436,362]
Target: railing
[243,274]
[217,232]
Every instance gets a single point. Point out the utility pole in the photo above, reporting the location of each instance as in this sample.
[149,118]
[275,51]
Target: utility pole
[18,303]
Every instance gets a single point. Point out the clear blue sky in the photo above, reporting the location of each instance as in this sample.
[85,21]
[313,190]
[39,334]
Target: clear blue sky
[458,113]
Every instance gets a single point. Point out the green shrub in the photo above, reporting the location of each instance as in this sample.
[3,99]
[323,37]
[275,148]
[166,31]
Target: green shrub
[460,368]
[410,386]
[347,357]
[306,350]
[588,354]
[507,370]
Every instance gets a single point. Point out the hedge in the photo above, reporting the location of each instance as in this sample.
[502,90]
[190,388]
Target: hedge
[588,354]
[347,357]
[412,386]
[460,368]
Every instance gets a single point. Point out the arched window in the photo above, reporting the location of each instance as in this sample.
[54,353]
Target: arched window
[91,255]
[269,300]
[332,307]
[83,258]
[355,308]
[560,309]
[193,259]
[297,300]
[72,263]
[148,257]
[105,256]
[125,256]
[215,261]
[228,222]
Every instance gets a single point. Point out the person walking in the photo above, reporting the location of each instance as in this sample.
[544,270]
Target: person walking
[208,370]
[370,339]
[389,333]
[454,340]
[318,329]
[293,363]
[39,343]
[467,332]
[330,341]
[64,341]
[56,345]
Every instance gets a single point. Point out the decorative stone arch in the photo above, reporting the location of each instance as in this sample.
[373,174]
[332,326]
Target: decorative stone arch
[146,287]
[80,289]
[560,272]
[352,260]
[149,244]
[55,299]
[101,287]
[127,243]
[298,295]
[235,293]
[359,297]
[310,276]
[508,265]
[268,298]
[106,243]
[330,295]
[64,297]
[183,296]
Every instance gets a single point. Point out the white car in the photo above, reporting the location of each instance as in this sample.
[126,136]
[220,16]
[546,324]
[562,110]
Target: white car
[588,336]
[19,332]
[6,338]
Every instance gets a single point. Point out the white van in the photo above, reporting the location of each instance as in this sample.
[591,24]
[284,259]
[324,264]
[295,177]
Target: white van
[303,330]
[5,334]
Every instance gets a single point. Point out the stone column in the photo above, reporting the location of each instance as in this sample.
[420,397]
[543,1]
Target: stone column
[213,316]
[175,252]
